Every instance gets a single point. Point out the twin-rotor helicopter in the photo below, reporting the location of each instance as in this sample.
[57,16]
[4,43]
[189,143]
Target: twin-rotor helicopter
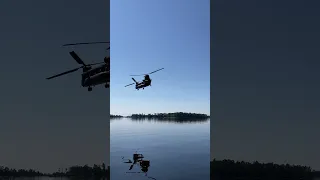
[145,82]
[93,76]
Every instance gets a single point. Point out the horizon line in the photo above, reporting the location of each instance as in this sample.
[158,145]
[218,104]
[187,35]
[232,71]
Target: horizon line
[159,113]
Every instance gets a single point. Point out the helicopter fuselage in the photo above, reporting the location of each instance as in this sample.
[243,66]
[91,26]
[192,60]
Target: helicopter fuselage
[143,84]
[96,76]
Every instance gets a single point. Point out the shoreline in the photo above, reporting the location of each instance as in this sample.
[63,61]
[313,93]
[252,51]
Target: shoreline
[165,116]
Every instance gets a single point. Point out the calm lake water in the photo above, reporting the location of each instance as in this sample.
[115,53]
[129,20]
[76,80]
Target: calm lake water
[176,150]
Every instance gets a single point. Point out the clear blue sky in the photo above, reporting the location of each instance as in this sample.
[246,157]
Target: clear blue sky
[147,35]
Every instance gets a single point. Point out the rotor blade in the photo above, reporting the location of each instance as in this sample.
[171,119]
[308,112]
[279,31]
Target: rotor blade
[129,161]
[134,80]
[138,75]
[77,58]
[95,63]
[156,70]
[148,73]
[103,42]
[67,72]
[129,84]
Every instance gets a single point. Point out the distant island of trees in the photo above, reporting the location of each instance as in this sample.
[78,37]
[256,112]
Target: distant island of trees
[97,171]
[115,116]
[175,115]
[168,116]
[229,169]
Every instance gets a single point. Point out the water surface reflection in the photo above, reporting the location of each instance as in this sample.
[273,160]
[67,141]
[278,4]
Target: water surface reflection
[176,149]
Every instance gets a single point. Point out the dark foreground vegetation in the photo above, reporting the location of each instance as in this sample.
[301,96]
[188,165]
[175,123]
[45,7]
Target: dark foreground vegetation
[231,170]
[8,172]
[77,172]
[181,116]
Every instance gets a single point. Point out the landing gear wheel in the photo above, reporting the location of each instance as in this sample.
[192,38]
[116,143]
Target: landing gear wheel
[89,88]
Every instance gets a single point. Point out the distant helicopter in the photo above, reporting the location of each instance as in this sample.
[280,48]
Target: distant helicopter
[144,164]
[144,83]
[90,76]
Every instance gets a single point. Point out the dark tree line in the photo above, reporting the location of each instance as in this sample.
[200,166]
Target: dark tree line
[8,172]
[180,121]
[229,169]
[97,171]
[115,116]
[168,116]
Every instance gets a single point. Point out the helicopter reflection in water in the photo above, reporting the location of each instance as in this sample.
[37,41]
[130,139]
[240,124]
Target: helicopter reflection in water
[138,159]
